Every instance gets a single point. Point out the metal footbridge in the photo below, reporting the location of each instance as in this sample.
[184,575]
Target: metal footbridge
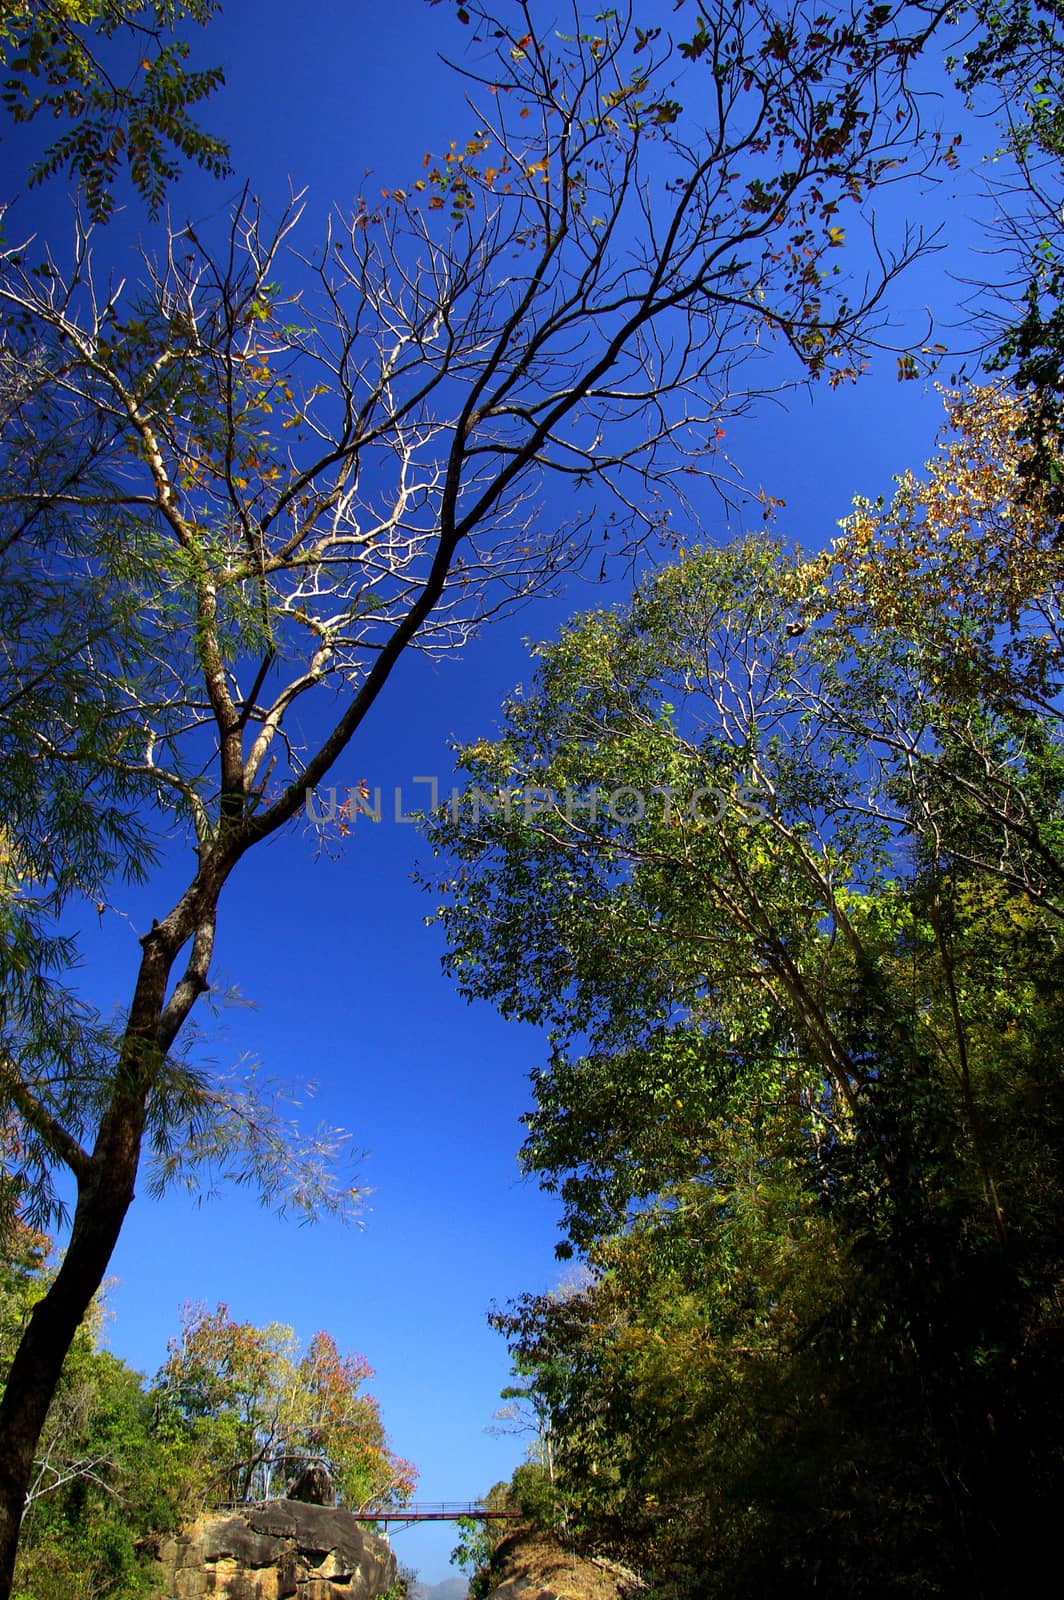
[434,1511]
[396,1519]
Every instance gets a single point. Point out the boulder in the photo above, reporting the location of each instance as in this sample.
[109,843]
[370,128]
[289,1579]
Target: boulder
[314,1485]
[279,1550]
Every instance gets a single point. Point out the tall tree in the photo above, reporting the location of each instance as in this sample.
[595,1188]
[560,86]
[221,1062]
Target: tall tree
[315,484]
[774,852]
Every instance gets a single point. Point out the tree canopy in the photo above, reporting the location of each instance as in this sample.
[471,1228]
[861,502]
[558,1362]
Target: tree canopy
[258,1410]
[774,852]
[236,491]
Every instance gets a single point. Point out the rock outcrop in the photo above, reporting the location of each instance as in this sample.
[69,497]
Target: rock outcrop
[280,1550]
[531,1566]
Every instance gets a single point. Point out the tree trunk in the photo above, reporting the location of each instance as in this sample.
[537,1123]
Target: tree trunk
[31,1382]
[106,1185]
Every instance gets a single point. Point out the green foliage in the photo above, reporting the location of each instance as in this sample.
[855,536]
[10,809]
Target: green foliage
[473,1552]
[535,1494]
[113,72]
[88,1533]
[479,1539]
[801,960]
[106,1483]
[21,1266]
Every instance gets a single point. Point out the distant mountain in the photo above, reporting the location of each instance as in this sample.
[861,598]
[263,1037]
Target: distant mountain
[449,1589]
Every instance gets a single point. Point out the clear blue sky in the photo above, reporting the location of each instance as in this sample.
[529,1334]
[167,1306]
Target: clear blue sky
[344,975]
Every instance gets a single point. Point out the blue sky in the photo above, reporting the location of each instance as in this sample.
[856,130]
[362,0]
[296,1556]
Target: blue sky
[344,976]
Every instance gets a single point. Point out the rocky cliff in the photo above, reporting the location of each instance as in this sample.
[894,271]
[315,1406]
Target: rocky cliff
[281,1550]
